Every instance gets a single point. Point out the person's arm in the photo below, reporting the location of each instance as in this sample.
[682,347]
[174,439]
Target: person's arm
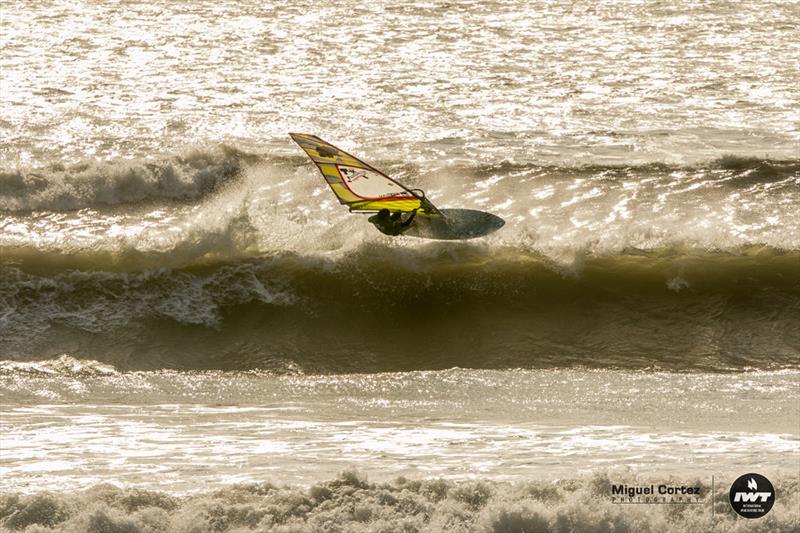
[410,219]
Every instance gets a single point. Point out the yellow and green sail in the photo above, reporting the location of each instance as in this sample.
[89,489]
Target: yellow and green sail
[358,185]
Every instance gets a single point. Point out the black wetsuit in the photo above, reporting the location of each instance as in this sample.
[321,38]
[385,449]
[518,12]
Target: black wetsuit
[393,224]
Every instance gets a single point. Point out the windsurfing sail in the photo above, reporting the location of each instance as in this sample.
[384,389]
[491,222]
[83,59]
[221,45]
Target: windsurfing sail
[360,186]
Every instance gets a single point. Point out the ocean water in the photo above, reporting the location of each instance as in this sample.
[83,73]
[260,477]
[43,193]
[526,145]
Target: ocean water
[195,335]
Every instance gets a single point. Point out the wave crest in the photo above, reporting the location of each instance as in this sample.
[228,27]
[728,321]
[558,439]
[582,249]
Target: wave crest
[187,176]
[729,167]
[64,365]
[384,308]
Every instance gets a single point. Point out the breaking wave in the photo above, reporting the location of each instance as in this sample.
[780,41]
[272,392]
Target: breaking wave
[197,172]
[351,503]
[383,308]
[59,187]
[677,267]
[64,365]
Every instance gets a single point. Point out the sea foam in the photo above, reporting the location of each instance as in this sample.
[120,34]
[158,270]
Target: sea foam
[353,504]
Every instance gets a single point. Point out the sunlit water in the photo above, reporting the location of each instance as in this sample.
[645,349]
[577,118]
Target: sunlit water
[638,310]
[623,82]
[189,432]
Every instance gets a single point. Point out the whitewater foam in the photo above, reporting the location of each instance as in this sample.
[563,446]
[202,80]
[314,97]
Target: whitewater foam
[190,175]
[64,365]
[277,205]
[352,503]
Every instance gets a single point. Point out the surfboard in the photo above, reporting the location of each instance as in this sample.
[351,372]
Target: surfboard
[455,224]
[365,189]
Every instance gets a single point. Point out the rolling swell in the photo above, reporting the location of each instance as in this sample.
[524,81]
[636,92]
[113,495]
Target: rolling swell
[382,308]
[736,169]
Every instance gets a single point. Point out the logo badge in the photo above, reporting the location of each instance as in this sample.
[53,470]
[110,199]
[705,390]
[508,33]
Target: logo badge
[752,496]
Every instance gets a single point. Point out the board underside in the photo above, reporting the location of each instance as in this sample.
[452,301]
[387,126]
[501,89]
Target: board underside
[455,224]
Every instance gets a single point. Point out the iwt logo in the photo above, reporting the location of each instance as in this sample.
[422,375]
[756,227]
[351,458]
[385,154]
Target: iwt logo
[752,496]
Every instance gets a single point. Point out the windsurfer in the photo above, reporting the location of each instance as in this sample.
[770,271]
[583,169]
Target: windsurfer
[392,224]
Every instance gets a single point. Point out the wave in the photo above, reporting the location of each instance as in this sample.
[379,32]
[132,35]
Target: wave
[277,205]
[198,172]
[352,503]
[739,170]
[679,267]
[58,187]
[383,308]
[64,365]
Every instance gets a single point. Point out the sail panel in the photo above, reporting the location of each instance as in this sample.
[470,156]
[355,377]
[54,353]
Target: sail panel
[355,183]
